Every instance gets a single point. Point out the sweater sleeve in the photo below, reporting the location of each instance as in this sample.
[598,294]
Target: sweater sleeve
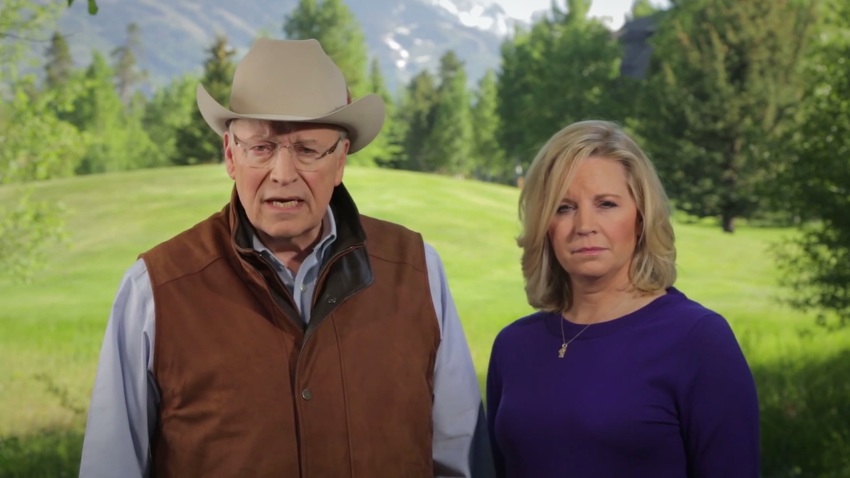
[494,395]
[718,404]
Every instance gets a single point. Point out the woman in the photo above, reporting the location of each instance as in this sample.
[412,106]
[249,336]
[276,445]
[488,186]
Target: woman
[618,374]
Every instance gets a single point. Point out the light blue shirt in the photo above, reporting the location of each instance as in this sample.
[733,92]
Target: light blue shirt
[123,410]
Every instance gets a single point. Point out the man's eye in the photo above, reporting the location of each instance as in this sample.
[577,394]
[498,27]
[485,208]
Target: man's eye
[262,149]
[305,151]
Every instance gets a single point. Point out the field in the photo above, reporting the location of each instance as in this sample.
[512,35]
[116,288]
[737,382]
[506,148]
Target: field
[51,326]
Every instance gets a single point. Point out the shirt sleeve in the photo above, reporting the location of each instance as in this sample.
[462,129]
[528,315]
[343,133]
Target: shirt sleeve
[122,412]
[460,443]
[719,406]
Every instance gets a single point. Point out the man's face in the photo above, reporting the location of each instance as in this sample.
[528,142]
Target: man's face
[284,200]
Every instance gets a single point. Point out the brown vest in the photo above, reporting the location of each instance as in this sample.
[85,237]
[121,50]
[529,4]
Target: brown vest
[247,391]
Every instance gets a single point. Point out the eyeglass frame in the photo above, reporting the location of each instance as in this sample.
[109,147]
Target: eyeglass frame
[277,146]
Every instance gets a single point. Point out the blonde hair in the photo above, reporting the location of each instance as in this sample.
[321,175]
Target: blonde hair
[653,266]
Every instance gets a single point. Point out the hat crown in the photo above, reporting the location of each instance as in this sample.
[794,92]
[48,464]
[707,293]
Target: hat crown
[292,77]
[294,81]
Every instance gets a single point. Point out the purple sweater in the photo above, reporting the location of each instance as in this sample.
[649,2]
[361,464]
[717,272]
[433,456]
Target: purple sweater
[663,392]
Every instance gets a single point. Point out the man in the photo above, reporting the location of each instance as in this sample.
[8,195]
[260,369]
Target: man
[287,335]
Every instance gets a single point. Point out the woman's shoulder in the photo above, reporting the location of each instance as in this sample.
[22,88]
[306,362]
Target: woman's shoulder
[692,318]
[530,325]
[676,305]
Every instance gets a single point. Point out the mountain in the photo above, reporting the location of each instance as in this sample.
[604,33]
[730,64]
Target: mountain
[406,36]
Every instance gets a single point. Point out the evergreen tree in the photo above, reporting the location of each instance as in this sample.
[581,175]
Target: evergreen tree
[816,184]
[489,158]
[448,147]
[416,118]
[118,141]
[382,151]
[99,110]
[196,142]
[127,74]
[170,110]
[334,26]
[641,8]
[58,64]
[725,88]
[564,69]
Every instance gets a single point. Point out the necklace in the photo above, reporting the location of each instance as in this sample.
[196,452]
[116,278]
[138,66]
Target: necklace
[565,342]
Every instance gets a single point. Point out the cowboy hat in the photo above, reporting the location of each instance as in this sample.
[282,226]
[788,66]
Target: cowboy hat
[294,80]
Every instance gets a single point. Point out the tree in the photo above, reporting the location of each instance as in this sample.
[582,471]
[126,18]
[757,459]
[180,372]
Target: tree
[127,74]
[416,114]
[641,8]
[816,263]
[724,89]
[36,145]
[170,110]
[92,6]
[334,26]
[381,151]
[489,158]
[59,64]
[564,69]
[448,147]
[196,142]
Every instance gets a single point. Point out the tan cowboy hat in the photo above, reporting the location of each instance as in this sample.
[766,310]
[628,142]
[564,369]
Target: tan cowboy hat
[294,80]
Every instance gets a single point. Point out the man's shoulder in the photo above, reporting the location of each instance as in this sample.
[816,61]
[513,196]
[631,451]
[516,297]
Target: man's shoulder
[392,242]
[190,250]
[373,223]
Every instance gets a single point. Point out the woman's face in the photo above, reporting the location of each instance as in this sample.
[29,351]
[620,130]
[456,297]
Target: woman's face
[595,228]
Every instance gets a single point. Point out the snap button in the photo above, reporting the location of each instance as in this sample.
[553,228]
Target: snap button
[306,394]
[332,300]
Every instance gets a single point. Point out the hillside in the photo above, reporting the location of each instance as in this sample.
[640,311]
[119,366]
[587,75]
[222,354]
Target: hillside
[406,36]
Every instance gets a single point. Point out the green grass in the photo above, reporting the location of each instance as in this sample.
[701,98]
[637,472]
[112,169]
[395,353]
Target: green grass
[51,327]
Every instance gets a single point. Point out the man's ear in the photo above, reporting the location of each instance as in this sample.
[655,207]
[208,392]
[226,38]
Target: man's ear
[229,160]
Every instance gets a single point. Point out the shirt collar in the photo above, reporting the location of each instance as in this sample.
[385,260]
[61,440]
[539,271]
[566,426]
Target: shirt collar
[328,237]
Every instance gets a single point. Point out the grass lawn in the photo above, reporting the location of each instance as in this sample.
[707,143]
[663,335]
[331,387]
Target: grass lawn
[52,326]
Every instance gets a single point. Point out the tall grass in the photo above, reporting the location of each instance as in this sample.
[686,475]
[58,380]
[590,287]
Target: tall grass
[51,327]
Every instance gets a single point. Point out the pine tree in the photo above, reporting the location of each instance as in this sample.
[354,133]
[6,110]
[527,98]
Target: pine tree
[726,87]
[127,74]
[334,26]
[449,142]
[196,142]
[488,156]
[58,62]
[381,151]
[416,117]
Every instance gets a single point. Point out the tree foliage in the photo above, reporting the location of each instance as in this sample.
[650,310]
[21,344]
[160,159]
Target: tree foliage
[817,183]
[725,88]
[560,71]
[37,145]
[448,144]
[196,142]
[334,26]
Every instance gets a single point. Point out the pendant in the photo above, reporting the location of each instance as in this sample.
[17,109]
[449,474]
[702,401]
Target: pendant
[562,351]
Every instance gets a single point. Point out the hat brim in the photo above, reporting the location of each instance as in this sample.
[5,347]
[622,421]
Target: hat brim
[362,118]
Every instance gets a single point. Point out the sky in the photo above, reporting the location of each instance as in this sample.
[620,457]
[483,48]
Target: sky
[616,9]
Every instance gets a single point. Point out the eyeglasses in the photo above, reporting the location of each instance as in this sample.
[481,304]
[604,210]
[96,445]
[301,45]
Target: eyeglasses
[261,155]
